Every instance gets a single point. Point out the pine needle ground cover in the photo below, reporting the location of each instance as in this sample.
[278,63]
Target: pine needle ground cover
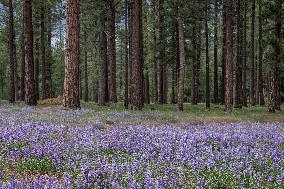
[44,148]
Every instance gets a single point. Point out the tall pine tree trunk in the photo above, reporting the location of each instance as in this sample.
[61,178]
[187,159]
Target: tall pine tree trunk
[30,96]
[86,96]
[43,53]
[23,71]
[252,76]
[244,97]
[272,91]
[112,54]
[216,93]
[239,63]
[103,69]
[12,55]
[195,79]
[181,65]
[37,53]
[229,57]
[161,53]
[260,51]
[223,80]
[207,88]
[72,59]
[137,56]
[126,78]
[49,56]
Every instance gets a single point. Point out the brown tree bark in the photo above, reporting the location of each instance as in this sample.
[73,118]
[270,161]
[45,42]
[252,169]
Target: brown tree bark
[175,67]
[239,63]
[137,72]
[223,80]
[252,76]
[72,59]
[195,71]
[146,88]
[216,92]
[126,77]
[207,88]
[103,69]
[86,96]
[244,96]
[30,96]
[43,53]
[49,55]
[272,91]
[95,91]
[229,57]
[181,65]
[23,72]
[12,55]
[37,53]
[161,52]
[112,54]
[260,61]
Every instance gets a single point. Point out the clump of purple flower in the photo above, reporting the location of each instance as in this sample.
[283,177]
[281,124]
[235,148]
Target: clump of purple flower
[239,155]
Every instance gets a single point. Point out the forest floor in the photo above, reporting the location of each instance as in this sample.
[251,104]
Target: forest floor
[116,114]
[110,147]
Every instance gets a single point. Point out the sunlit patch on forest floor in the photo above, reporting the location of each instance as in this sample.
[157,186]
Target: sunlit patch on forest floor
[109,147]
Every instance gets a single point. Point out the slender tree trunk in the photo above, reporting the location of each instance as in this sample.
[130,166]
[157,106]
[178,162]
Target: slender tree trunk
[239,63]
[103,70]
[43,53]
[195,80]
[126,78]
[229,57]
[86,96]
[272,91]
[146,88]
[95,91]
[278,50]
[245,57]
[30,96]
[252,84]
[260,51]
[216,94]
[161,53]
[207,88]
[72,59]
[175,68]
[49,56]
[137,75]
[37,53]
[112,54]
[23,71]
[12,55]
[130,28]
[155,68]
[223,81]
[181,65]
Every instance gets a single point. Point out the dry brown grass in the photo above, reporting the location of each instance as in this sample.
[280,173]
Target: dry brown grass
[51,101]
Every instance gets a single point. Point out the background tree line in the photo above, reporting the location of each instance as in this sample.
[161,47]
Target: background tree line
[142,51]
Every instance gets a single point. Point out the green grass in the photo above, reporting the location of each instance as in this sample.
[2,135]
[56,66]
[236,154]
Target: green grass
[198,113]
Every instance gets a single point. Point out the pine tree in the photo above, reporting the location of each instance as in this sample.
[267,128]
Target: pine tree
[30,95]
[229,57]
[72,59]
